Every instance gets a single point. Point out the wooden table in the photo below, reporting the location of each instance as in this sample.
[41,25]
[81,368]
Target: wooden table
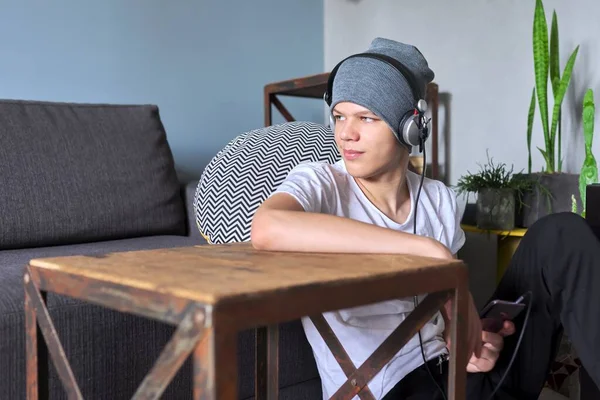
[507,243]
[212,292]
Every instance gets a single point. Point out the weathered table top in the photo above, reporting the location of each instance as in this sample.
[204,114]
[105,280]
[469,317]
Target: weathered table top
[215,273]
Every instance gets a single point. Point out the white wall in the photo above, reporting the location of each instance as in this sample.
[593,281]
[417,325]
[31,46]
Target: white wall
[481,53]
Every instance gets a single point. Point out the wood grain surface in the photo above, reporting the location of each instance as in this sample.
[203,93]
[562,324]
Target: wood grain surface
[213,273]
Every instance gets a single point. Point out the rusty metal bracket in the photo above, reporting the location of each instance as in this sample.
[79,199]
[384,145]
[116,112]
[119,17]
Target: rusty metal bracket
[358,378]
[193,320]
[180,346]
[145,303]
[339,352]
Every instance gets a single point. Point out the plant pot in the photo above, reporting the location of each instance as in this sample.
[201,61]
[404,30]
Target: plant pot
[551,193]
[496,209]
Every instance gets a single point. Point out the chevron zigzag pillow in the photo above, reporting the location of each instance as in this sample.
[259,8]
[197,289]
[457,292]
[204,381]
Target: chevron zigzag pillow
[244,173]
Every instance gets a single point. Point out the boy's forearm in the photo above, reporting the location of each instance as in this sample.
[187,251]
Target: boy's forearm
[312,232]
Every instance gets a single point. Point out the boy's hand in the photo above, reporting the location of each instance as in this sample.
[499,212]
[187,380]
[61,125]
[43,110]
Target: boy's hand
[483,347]
[493,343]
[474,336]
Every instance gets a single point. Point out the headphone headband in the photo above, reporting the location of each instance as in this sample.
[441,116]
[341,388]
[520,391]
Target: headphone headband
[412,129]
[417,95]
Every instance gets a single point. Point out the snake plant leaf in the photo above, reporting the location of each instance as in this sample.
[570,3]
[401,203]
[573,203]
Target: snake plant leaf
[545,155]
[560,163]
[530,117]
[589,110]
[556,84]
[589,170]
[554,54]
[540,62]
[555,77]
[560,94]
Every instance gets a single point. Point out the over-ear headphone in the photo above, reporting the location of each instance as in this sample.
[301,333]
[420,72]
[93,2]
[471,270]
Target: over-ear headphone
[413,130]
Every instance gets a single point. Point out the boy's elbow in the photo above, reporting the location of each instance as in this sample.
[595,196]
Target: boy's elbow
[260,231]
[259,239]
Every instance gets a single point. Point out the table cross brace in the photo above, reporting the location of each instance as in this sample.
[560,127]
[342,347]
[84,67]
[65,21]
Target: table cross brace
[189,333]
[358,379]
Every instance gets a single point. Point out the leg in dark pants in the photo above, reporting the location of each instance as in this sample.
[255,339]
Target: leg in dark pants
[558,260]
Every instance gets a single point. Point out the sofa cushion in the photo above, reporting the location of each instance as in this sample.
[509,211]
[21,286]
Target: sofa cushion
[242,175]
[74,173]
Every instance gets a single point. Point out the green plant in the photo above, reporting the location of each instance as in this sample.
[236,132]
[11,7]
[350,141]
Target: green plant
[493,176]
[530,116]
[546,66]
[589,169]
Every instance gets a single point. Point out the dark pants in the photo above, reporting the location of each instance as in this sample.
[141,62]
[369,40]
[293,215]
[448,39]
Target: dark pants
[558,260]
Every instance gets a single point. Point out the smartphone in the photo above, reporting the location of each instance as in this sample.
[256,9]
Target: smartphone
[498,311]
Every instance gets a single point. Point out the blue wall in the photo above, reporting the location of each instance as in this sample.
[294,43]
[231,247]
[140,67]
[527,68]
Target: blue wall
[203,62]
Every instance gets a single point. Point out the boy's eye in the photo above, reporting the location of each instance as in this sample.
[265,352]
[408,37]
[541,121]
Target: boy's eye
[337,117]
[368,119]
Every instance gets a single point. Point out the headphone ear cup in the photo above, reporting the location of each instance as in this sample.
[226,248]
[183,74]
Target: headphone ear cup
[410,130]
[327,99]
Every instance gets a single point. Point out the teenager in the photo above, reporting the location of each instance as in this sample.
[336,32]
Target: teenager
[366,203]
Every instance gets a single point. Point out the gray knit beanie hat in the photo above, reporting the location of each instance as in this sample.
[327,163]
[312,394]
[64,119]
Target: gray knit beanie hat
[376,85]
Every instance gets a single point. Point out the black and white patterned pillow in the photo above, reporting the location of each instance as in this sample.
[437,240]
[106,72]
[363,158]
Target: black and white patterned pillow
[242,175]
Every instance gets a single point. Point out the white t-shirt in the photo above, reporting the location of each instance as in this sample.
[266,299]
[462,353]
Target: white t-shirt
[329,189]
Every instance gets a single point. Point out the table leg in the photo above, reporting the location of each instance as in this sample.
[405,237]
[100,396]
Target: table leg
[267,363]
[53,348]
[267,105]
[215,366]
[281,108]
[36,351]
[204,367]
[458,343]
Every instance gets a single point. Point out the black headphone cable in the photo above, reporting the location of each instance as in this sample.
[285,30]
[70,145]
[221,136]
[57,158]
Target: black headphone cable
[529,294]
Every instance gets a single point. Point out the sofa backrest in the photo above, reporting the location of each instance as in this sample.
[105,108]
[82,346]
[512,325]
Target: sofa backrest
[73,173]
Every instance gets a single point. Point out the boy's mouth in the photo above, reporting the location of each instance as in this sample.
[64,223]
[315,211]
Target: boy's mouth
[352,154]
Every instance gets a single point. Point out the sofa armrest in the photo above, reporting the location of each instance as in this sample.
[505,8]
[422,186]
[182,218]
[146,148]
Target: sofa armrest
[189,190]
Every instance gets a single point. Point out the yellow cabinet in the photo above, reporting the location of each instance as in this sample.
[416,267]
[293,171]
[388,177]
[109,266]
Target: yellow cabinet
[507,241]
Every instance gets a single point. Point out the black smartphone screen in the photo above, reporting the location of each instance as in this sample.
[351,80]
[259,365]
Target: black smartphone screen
[498,311]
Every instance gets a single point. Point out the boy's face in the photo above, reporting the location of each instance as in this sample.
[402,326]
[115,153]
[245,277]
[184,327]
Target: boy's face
[366,143]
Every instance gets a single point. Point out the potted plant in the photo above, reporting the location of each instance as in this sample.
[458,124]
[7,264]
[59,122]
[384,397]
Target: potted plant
[497,190]
[553,188]
[589,169]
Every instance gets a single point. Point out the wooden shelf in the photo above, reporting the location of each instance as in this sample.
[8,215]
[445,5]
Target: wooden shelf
[313,86]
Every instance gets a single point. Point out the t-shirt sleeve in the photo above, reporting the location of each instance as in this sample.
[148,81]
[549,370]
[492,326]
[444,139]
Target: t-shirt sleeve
[308,183]
[459,235]
[452,218]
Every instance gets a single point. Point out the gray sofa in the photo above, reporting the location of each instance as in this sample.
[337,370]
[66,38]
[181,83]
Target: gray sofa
[94,178]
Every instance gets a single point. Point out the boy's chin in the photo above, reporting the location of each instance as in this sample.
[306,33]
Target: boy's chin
[367,171]
[360,171]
